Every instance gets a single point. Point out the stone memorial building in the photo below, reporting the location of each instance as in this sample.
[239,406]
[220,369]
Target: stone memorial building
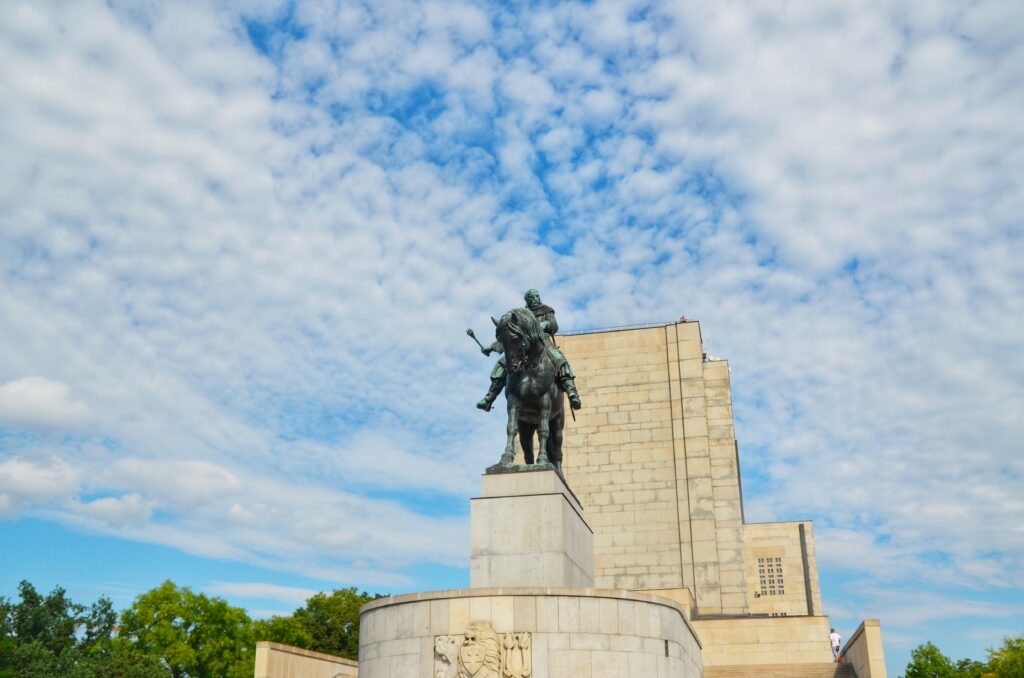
[638,561]
[654,460]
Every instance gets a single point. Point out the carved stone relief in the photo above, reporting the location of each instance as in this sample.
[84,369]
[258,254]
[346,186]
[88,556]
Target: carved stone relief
[482,653]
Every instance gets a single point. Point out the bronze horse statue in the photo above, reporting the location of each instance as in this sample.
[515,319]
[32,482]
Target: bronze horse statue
[535,405]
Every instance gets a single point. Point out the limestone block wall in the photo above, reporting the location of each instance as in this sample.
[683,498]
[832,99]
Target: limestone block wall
[864,650]
[764,640]
[620,458]
[583,633]
[276,660]
[726,499]
[653,458]
[763,541]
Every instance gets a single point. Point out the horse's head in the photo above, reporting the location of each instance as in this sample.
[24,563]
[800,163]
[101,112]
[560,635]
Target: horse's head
[521,336]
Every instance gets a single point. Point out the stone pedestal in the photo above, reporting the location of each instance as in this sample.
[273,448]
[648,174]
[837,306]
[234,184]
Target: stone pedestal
[531,611]
[528,530]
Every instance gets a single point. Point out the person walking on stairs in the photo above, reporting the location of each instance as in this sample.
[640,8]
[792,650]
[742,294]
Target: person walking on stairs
[836,641]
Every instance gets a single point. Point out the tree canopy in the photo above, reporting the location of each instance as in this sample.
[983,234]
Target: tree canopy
[1006,661]
[195,635]
[333,621]
[50,636]
[168,632]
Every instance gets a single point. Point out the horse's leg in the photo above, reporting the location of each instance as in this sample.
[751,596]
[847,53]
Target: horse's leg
[555,439]
[513,427]
[526,431]
[542,428]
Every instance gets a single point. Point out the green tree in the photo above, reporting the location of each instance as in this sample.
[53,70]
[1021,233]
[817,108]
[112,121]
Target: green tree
[114,660]
[287,630]
[195,635]
[333,621]
[53,637]
[926,661]
[8,642]
[970,668]
[1008,661]
[50,620]
[98,624]
[38,633]
[32,659]
[119,659]
[168,632]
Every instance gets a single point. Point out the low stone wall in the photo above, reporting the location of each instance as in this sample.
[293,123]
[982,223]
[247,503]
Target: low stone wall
[864,650]
[764,640]
[681,596]
[520,631]
[274,660]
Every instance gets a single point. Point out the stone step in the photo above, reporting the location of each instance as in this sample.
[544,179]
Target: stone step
[830,670]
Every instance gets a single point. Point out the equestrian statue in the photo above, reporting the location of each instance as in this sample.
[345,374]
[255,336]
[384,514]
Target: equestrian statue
[534,373]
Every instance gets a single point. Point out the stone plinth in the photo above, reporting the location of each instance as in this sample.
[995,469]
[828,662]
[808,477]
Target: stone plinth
[528,530]
[527,633]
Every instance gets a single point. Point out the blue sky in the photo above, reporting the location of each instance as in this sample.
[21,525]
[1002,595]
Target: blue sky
[240,242]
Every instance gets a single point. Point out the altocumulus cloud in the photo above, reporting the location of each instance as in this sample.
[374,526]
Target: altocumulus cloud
[25,482]
[37,402]
[249,237]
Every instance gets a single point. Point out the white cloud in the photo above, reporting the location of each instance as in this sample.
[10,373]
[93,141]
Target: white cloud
[183,484]
[129,509]
[37,402]
[24,482]
[210,511]
[256,271]
[528,88]
[263,591]
[909,610]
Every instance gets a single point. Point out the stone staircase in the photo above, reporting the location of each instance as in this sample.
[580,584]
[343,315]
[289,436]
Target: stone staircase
[829,670]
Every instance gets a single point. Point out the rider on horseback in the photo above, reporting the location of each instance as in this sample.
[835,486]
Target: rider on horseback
[566,377]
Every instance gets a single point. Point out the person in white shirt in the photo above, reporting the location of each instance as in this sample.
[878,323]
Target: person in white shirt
[835,640]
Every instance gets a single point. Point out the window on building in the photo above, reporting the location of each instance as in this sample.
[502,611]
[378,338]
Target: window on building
[769,571]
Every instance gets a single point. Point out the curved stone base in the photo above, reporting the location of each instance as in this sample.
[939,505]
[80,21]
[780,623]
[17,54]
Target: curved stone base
[527,632]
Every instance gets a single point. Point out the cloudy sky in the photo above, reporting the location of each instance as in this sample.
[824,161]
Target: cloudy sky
[240,243]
